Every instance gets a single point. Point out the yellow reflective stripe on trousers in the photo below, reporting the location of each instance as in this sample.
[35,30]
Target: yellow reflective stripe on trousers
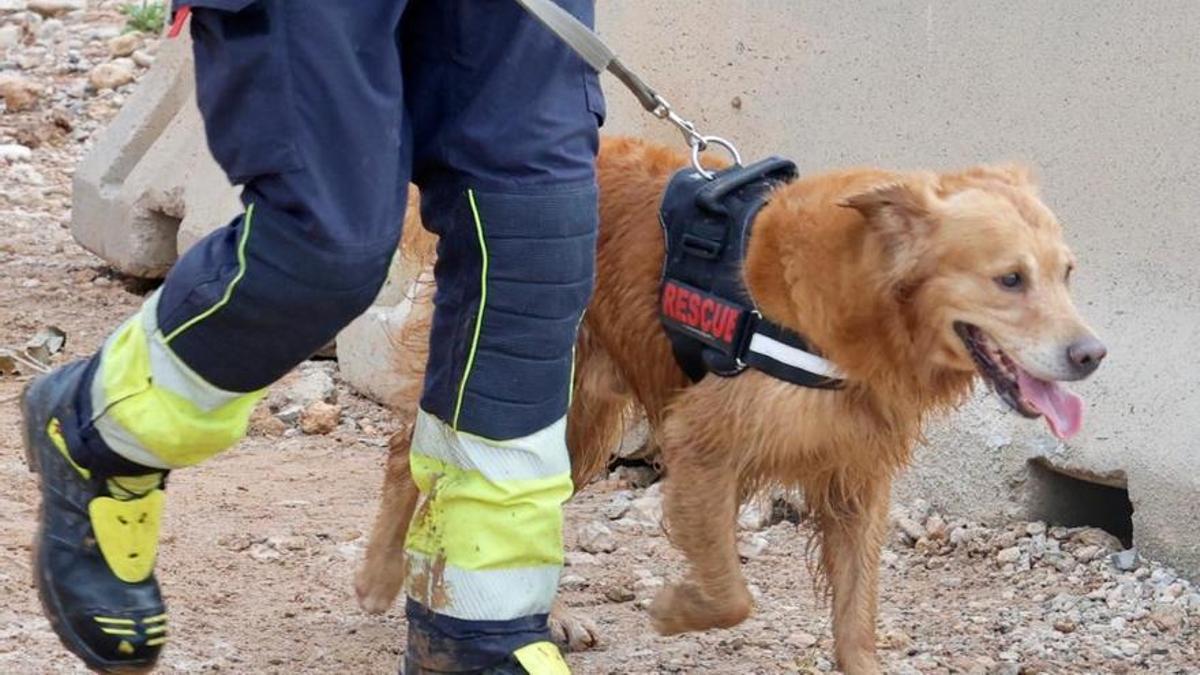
[247,223]
[152,409]
[486,539]
[483,293]
[480,595]
[478,524]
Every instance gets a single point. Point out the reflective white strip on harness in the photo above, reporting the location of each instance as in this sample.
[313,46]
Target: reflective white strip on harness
[790,356]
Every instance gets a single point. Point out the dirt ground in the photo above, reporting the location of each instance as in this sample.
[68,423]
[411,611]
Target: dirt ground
[261,544]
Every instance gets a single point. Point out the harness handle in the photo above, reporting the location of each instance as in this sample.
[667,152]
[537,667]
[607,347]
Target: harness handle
[772,168]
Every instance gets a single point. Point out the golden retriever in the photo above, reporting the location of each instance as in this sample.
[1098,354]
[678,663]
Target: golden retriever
[914,284]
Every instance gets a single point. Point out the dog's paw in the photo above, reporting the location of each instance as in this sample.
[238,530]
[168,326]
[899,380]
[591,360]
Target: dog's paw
[571,631]
[684,607]
[864,663]
[376,592]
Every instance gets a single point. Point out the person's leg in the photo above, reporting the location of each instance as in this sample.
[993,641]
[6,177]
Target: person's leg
[302,103]
[506,132]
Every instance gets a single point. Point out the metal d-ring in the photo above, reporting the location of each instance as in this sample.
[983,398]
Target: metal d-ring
[701,143]
[697,141]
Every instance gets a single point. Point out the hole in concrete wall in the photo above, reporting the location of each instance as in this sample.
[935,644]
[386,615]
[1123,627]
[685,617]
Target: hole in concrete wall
[1070,500]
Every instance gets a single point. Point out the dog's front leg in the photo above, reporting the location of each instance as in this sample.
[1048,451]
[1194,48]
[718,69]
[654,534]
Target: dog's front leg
[852,534]
[700,507]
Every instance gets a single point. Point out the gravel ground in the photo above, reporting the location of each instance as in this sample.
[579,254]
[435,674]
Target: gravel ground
[260,545]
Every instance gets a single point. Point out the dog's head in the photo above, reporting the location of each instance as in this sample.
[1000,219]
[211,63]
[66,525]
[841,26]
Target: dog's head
[981,268]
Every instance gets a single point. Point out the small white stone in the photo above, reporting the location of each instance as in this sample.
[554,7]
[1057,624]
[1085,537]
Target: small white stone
[911,528]
[1009,555]
[143,58]
[55,7]
[802,640]
[1125,560]
[753,546]
[578,558]
[111,75]
[10,36]
[13,152]
[50,30]
[1129,647]
[596,538]
[124,44]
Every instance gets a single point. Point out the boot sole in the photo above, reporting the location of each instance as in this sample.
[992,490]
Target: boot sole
[50,606]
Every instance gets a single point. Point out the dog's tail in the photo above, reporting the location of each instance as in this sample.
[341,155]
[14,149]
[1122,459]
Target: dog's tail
[410,334]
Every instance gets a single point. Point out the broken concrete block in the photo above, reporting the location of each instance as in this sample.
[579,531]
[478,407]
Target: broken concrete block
[368,353]
[150,177]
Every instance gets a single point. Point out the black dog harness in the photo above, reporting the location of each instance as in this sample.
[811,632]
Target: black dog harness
[710,318]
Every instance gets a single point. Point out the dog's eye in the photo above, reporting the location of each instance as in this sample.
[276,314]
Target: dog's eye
[1013,281]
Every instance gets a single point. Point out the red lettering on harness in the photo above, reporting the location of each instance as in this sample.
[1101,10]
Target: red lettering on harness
[707,309]
[710,318]
[668,298]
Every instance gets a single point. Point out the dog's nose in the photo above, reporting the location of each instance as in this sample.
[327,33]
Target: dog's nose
[1086,355]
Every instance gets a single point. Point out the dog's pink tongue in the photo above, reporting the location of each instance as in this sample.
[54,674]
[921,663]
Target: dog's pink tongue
[1062,409]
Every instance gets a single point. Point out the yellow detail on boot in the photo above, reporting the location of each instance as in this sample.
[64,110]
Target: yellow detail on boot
[164,423]
[542,658]
[127,533]
[125,648]
[131,487]
[54,431]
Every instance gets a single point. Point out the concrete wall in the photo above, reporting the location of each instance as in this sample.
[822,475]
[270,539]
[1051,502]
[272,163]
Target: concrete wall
[1102,98]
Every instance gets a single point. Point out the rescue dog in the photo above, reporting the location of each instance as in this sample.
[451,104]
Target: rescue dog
[916,285]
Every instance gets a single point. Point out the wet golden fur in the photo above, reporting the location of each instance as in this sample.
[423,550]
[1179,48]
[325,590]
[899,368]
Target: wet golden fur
[872,266]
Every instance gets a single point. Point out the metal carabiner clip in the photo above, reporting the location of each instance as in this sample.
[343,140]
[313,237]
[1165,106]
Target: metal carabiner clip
[702,145]
[697,141]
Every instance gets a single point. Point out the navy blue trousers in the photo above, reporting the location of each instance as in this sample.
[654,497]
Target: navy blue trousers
[324,112]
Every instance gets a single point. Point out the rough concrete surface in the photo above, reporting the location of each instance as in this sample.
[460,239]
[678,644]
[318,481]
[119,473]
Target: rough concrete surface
[1101,100]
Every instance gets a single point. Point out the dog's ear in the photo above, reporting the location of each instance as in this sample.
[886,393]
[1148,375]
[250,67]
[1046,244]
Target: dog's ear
[900,216]
[899,212]
[894,199]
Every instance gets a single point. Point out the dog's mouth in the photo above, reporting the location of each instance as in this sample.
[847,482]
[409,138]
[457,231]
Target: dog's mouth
[1025,393]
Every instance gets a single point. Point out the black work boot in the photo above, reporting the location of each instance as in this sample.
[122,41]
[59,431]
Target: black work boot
[540,658]
[95,547]
[508,667]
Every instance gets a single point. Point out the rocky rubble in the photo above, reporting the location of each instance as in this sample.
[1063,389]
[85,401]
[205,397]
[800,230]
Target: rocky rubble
[65,68]
[1028,597]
